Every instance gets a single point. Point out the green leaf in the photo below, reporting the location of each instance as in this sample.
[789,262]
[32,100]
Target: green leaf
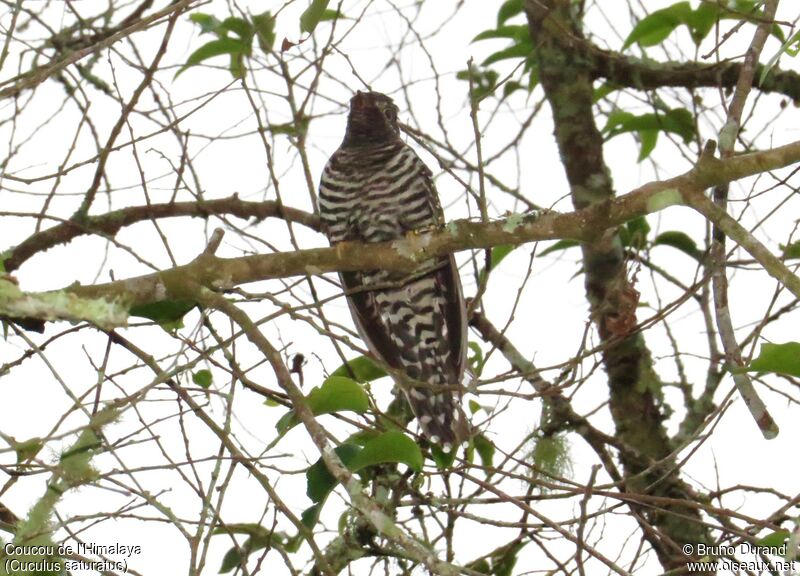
[260,537]
[391,446]
[264,26]
[287,422]
[483,82]
[235,48]
[310,516]
[207,22]
[778,358]
[313,15]
[515,32]
[500,252]
[509,9]
[337,394]
[292,545]
[677,121]
[166,313]
[503,563]
[475,360]
[519,50]
[775,539]
[202,378]
[443,460]
[485,450]
[231,560]
[480,565]
[702,20]
[510,87]
[474,407]
[654,28]
[786,47]
[533,78]
[679,241]
[560,245]
[239,26]
[236,66]
[634,233]
[648,139]
[791,251]
[749,10]
[249,528]
[499,562]
[620,121]
[320,482]
[362,437]
[793,49]
[293,128]
[217,47]
[604,90]
[362,369]
[329,15]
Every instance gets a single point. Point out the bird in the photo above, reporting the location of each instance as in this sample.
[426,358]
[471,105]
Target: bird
[374,188]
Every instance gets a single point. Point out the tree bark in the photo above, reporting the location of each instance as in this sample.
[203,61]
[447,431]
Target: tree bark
[635,389]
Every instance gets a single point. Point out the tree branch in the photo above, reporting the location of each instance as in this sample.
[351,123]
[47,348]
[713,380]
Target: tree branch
[639,74]
[409,253]
[33,78]
[727,142]
[108,225]
[360,501]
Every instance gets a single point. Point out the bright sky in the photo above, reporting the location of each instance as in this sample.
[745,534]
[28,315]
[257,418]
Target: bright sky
[229,158]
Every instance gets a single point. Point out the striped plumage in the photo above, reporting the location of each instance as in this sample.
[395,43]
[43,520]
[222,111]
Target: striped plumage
[376,189]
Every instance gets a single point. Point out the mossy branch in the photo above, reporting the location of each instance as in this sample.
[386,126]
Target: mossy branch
[60,305]
[105,304]
[73,470]
[407,254]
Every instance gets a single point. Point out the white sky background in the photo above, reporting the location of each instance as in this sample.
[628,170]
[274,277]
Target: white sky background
[550,320]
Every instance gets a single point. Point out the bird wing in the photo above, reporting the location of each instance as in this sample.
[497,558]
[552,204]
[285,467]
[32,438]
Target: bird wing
[371,316]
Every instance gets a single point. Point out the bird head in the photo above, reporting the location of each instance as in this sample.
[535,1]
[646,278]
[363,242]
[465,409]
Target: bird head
[372,120]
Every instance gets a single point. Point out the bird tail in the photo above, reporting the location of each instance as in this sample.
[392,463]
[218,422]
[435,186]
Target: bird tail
[440,416]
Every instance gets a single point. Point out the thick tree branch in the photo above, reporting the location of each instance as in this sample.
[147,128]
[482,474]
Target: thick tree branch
[108,225]
[408,254]
[643,74]
[628,72]
[634,386]
[739,234]
[727,141]
[14,303]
